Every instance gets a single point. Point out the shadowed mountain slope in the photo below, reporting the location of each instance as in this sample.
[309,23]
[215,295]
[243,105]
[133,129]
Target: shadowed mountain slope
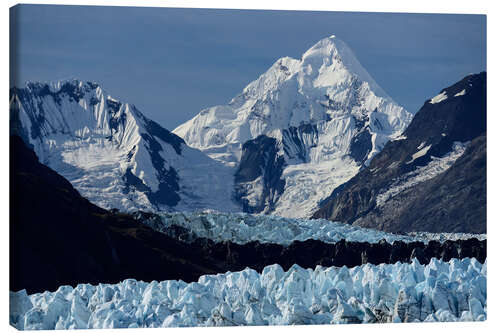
[432,178]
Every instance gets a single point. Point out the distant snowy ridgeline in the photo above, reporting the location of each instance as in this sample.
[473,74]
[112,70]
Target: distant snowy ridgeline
[439,291]
[242,228]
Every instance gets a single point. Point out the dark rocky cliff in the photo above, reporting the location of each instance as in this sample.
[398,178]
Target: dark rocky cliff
[451,201]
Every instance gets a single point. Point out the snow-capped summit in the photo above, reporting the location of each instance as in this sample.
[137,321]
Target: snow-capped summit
[328,78]
[111,152]
[332,52]
[299,130]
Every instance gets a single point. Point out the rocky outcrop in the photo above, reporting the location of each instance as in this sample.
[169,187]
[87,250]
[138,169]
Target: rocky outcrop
[258,182]
[432,178]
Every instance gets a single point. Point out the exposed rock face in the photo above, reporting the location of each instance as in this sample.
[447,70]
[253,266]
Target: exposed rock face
[432,178]
[260,166]
[297,142]
[361,145]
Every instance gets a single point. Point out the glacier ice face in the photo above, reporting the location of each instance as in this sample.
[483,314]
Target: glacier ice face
[243,228]
[328,90]
[410,292]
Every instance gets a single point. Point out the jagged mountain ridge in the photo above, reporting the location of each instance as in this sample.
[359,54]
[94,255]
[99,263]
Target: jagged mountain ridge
[298,131]
[112,153]
[432,178]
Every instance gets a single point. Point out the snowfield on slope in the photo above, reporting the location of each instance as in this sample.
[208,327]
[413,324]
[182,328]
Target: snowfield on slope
[435,167]
[242,228]
[410,292]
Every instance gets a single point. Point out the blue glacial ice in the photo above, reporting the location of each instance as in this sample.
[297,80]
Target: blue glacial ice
[401,292]
[243,228]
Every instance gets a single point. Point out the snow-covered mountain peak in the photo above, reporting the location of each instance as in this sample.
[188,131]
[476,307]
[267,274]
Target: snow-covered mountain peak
[283,69]
[76,110]
[327,80]
[332,54]
[328,63]
[113,154]
[313,121]
[56,86]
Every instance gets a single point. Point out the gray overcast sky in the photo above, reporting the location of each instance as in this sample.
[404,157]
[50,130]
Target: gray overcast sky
[171,63]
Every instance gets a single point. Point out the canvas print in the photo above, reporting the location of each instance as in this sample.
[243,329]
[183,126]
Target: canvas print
[176,167]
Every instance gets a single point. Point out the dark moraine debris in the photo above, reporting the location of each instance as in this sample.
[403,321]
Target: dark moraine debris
[310,253]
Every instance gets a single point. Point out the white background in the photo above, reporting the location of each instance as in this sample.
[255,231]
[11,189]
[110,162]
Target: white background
[422,6]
